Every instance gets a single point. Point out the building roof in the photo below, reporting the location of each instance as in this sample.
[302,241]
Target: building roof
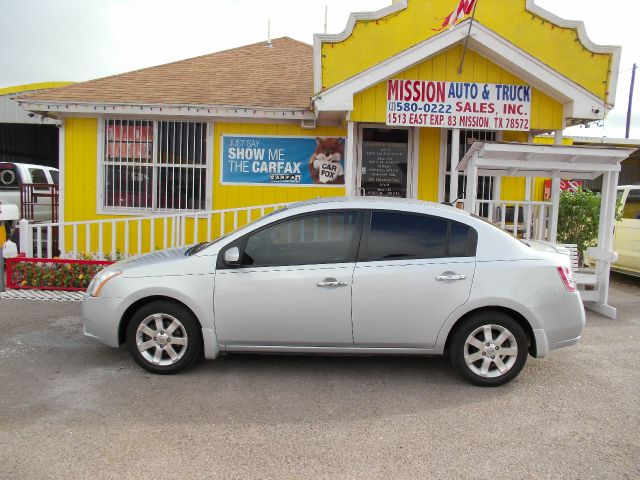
[257,75]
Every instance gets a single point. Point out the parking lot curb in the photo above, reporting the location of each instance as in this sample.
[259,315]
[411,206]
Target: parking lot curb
[46,295]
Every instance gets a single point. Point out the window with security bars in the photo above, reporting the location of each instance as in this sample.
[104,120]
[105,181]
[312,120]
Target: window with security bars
[154,165]
[485,184]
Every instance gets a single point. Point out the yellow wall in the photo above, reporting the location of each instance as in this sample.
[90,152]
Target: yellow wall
[371,104]
[557,47]
[81,181]
[429,164]
[80,168]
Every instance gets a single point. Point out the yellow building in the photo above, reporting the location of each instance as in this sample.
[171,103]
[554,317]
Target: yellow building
[387,107]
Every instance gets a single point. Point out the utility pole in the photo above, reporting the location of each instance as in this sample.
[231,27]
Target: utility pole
[633,81]
[326,15]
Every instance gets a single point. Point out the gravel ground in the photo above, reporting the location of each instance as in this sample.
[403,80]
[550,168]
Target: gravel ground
[72,408]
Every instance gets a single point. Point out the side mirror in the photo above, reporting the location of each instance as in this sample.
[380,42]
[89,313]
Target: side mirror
[232,256]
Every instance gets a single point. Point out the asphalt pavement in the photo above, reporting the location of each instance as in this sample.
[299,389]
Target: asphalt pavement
[72,408]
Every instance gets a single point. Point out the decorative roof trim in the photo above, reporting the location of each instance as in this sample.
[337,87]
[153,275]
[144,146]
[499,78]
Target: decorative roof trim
[613,50]
[167,109]
[579,102]
[319,38]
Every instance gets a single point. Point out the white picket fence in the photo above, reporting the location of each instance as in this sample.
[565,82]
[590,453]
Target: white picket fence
[133,235]
[523,219]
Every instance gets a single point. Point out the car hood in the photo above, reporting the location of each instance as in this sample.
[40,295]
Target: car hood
[165,262]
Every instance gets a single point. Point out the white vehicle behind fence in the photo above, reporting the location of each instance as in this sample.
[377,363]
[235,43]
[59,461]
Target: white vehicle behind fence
[15,175]
[627,231]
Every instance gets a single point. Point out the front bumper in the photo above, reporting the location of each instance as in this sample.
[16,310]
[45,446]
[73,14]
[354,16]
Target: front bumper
[101,317]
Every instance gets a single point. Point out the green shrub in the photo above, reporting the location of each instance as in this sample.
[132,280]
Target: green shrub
[579,217]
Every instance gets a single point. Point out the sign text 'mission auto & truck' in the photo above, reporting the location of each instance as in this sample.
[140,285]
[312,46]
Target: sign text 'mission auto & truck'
[484,106]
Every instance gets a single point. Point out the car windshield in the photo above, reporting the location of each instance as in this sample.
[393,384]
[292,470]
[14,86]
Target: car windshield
[198,247]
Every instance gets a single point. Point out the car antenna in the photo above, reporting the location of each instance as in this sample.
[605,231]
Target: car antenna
[451,204]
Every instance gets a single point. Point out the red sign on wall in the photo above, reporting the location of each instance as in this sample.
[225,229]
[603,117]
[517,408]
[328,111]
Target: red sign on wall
[565,186]
[130,133]
[129,141]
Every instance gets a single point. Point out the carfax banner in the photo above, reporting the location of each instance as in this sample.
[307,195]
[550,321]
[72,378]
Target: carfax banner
[257,160]
[483,106]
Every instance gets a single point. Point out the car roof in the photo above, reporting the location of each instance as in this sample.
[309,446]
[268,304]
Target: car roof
[29,165]
[374,202]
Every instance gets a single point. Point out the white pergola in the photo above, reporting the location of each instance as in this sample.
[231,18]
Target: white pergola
[503,159]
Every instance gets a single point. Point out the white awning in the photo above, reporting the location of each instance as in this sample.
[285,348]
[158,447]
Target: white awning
[504,159]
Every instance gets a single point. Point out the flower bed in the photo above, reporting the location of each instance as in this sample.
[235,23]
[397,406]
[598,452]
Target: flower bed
[52,273]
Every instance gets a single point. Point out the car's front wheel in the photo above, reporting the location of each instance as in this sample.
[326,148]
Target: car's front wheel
[164,337]
[489,349]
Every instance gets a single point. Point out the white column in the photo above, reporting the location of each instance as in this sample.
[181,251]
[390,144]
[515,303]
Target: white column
[455,159]
[527,209]
[605,238]
[555,198]
[555,209]
[472,186]
[350,163]
[61,184]
[414,164]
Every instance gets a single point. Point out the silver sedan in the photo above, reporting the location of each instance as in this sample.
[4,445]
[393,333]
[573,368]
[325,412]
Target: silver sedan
[344,276]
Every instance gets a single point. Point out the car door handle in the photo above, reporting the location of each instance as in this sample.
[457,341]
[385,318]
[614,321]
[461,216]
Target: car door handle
[331,282]
[444,278]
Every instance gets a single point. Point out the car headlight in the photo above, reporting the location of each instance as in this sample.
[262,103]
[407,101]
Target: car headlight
[100,280]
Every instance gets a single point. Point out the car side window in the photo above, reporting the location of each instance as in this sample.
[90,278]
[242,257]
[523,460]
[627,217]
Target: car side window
[396,236]
[328,237]
[38,175]
[632,205]
[55,176]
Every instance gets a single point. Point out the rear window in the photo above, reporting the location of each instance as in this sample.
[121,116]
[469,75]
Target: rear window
[396,236]
[9,178]
[55,176]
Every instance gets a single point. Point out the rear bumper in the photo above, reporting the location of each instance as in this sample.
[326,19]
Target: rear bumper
[561,324]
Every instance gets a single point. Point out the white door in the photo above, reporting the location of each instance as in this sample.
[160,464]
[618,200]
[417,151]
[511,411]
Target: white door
[412,272]
[293,287]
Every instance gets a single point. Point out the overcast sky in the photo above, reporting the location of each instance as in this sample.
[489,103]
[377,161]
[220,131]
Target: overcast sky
[54,40]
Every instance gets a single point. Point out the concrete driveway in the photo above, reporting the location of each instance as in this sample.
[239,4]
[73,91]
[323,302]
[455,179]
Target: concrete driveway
[72,408]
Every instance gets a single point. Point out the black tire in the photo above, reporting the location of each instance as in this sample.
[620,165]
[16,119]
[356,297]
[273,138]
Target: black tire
[188,332]
[473,372]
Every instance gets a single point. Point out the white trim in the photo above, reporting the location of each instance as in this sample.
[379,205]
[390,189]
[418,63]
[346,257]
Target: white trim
[61,182]
[204,111]
[319,38]
[455,160]
[579,102]
[415,138]
[614,50]
[210,164]
[442,168]
[100,166]
[350,163]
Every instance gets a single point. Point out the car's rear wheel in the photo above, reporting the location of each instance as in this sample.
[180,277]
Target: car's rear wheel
[489,349]
[164,337]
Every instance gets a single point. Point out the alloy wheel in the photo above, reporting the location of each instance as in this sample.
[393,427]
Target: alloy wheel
[490,351]
[161,339]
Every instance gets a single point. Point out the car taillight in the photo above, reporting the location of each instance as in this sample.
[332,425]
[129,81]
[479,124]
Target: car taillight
[567,278]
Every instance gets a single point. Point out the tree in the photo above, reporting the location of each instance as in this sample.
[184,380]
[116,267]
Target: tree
[579,217]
